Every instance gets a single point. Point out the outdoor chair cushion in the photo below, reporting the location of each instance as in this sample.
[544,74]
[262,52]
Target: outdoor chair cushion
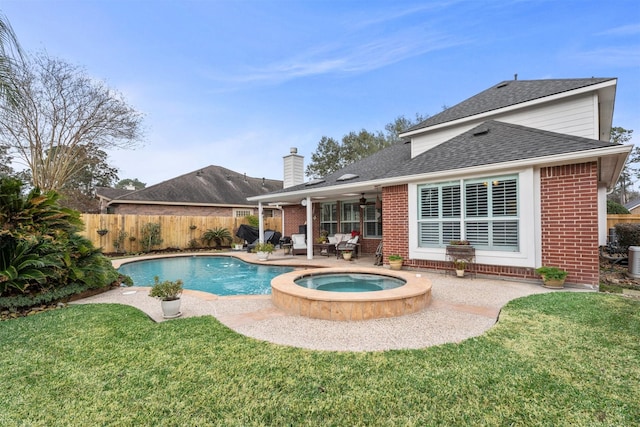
[298,241]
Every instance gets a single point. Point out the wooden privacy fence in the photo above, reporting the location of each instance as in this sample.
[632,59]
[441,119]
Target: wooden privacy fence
[612,220]
[175,231]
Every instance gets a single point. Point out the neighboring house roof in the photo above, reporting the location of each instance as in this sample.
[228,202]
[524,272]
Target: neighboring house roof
[632,204]
[505,94]
[212,185]
[111,193]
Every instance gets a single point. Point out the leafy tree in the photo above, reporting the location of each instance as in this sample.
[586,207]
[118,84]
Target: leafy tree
[616,208]
[5,161]
[79,191]
[133,182]
[60,115]
[401,124]
[332,155]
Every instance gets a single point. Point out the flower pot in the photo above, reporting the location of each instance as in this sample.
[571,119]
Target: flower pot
[395,265]
[262,256]
[460,273]
[171,309]
[553,283]
[347,255]
[238,247]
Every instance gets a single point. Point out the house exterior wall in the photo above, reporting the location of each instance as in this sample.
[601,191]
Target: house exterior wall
[294,216]
[577,116]
[177,210]
[569,218]
[395,222]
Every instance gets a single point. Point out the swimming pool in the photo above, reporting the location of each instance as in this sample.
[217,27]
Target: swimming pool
[220,275]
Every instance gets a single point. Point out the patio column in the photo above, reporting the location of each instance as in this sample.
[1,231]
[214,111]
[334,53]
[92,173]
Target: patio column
[309,228]
[260,223]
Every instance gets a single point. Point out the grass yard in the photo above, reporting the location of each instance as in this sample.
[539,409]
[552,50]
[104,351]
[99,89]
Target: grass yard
[554,359]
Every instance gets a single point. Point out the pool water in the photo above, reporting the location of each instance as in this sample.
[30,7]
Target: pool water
[349,282]
[220,275]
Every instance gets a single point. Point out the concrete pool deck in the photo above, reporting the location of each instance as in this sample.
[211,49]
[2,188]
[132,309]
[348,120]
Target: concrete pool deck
[460,308]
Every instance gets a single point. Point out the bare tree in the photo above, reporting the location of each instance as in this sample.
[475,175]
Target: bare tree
[60,113]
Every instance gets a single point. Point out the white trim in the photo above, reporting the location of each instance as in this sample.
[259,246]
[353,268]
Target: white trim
[537,212]
[524,257]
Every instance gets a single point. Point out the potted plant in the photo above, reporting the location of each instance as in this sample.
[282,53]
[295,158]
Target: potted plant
[263,250]
[552,277]
[459,265]
[347,254]
[395,262]
[168,292]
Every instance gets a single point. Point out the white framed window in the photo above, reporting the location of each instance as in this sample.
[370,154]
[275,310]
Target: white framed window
[484,211]
[267,213]
[439,213]
[329,217]
[239,213]
[350,217]
[372,222]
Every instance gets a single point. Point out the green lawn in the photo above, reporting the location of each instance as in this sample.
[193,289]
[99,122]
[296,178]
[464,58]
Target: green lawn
[554,359]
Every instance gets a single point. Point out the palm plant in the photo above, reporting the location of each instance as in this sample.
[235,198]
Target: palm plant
[217,235]
[22,265]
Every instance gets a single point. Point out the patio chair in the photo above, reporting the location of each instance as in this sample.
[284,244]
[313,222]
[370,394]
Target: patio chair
[349,245]
[298,244]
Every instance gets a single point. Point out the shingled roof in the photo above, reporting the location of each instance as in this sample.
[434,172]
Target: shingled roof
[212,185]
[491,142]
[494,142]
[505,94]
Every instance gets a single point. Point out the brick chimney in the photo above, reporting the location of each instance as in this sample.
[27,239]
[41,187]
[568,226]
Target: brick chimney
[293,168]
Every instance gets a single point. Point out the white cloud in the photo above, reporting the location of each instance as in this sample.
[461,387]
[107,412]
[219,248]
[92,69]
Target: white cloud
[625,30]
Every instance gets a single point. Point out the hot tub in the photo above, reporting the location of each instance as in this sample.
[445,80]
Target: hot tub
[343,303]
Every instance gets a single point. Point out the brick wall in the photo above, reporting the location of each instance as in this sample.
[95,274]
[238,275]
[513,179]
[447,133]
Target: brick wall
[569,205]
[294,216]
[395,221]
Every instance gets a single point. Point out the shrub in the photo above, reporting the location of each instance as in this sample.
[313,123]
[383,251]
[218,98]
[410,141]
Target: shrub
[552,273]
[167,290]
[615,208]
[219,235]
[42,258]
[263,247]
[150,236]
[395,258]
[253,220]
[628,235]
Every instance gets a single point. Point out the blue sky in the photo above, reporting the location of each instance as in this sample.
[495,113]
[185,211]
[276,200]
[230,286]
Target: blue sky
[237,83]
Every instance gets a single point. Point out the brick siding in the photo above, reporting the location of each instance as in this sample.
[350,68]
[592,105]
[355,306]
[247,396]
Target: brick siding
[395,221]
[569,202]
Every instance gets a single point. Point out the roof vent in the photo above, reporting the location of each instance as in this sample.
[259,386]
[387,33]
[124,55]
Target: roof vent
[501,85]
[314,182]
[481,131]
[347,177]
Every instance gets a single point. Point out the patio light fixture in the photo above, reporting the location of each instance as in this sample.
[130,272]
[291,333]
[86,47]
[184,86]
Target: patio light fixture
[363,202]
